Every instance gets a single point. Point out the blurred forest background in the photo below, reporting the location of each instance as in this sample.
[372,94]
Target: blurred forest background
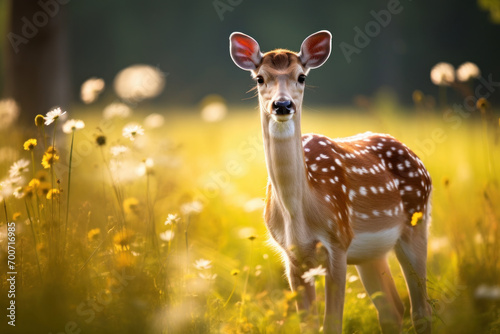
[188,41]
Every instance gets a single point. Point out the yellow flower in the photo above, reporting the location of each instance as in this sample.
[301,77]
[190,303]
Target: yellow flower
[94,234]
[39,120]
[34,183]
[131,205]
[30,144]
[482,104]
[53,193]
[417,96]
[123,238]
[49,158]
[416,218]
[16,216]
[43,189]
[235,272]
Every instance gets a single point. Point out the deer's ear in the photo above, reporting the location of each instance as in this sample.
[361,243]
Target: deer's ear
[316,49]
[245,51]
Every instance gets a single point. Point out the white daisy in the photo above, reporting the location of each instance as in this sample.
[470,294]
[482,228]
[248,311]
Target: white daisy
[468,71]
[172,219]
[53,115]
[19,167]
[310,275]
[118,150]
[167,235]
[203,264]
[132,131]
[73,125]
[442,74]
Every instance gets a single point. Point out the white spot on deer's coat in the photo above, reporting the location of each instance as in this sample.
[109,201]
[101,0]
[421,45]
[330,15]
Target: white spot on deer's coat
[324,156]
[362,191]
[314,167]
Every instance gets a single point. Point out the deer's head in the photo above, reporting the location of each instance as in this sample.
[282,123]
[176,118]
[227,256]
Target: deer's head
[280,74]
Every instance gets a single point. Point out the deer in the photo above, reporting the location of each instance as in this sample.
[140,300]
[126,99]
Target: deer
[358,197]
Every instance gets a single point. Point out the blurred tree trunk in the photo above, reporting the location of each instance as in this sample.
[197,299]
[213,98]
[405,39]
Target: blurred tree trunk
[36,59]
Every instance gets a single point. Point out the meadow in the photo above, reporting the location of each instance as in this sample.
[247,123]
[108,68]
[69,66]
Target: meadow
[164,233]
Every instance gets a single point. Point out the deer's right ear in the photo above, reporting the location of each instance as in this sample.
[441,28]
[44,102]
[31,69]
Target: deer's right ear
[245,51]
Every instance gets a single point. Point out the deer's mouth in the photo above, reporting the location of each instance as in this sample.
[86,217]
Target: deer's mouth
[281,117]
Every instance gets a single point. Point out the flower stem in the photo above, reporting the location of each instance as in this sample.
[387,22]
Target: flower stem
[69,187]
[34,240]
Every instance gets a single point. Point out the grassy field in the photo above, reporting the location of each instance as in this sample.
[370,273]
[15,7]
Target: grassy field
[129,258]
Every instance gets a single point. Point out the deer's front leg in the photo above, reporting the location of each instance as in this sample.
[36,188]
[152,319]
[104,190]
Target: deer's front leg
[306,293]
[335,292]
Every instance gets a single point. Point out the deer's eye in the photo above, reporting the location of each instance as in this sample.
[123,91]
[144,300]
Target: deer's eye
[260,80]
[302,78]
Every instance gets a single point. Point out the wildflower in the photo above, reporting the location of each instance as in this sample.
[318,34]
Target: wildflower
[132,131]
[191,207]
[9,112]
[309,276]
[30,144]
[172,219]
[131,205]
[94,234]
[235,272]
[203,264]
[123,239]
[16,216]
[53,194]
[468,71]
[50,157]
[482,104]
[29,191]
[207,277]
[73,125]
[91,89]
[246,232]
[146,167]
[118,150]
[361,295]
[39,120]
[116,109]
[100,140]
[167,235]
[18,168]
[416,218]
[154,120]
[53,115]
[19,192]
[139,82]
[442,74]
[43,189]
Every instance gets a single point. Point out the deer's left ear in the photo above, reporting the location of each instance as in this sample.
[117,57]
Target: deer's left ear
[316,49]
[245,51]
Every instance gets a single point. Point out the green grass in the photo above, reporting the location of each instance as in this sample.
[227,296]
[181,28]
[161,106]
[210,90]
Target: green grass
[123,278]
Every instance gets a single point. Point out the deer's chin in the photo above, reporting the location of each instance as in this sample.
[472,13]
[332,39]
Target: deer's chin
[282,118]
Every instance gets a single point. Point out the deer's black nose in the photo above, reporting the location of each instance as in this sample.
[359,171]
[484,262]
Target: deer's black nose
[282,107]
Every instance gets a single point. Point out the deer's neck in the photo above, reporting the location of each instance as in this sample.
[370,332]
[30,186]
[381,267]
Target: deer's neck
[285,162]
